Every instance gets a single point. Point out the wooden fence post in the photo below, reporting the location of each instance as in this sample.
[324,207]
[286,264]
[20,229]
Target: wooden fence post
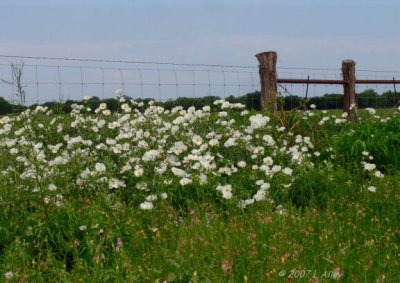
[349,87]
[267,70]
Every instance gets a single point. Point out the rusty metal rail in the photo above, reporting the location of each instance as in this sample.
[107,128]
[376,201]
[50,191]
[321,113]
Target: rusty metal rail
[338,82]
[309,81]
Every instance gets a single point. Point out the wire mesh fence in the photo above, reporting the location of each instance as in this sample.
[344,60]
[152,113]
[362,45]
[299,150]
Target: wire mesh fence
[158,81]
[47,79]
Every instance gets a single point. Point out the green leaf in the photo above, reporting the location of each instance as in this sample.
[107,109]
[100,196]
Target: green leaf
[173,263]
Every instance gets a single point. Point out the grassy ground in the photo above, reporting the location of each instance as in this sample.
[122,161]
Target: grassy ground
[333,219]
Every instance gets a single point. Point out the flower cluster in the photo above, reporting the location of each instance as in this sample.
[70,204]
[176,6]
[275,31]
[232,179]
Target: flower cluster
[153,153]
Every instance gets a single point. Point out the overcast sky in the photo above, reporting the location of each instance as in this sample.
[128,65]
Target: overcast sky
[304,33]
[313,33]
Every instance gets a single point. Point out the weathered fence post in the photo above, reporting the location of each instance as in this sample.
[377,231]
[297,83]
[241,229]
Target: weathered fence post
[267,69]
[349,87]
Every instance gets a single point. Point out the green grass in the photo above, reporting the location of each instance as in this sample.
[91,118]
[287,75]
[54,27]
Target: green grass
[321,224]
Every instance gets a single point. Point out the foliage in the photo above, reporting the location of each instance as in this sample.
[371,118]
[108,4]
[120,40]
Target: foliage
[210,194]
[7,108]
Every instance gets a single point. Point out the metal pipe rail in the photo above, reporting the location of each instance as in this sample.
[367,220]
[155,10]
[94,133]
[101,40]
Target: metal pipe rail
[338,82]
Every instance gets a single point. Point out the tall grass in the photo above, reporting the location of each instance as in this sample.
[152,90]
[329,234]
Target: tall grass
[329,213]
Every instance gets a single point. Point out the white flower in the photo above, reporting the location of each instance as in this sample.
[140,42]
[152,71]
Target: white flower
[147,205]
[82,227]
[378,174]
[150,155]
[101,123]
[371,111]
[52,187]
[213,142]
[5,120]
[258,121]
[260,182]
[138,171]
[179,172]
[203,179]
[369,166]
[100,167]
[106,112]
[126,108]
[269,140]
[241,164]
[206,108]
[142,186]
[9,275]
[287,171]
[126,168]
[197,140]
[185,181]
[372,189]
[268,161]
[164,195]
[110,141]
[230,142]
[115,183]
[151,198]
[260,195]
[102,106]
[226,191]
[276,168]
[226,194]
[85,173]
[312,106]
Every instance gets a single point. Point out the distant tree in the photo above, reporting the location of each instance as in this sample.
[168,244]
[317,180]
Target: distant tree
[7,107]
[252,100]
[367,98]
[391,98]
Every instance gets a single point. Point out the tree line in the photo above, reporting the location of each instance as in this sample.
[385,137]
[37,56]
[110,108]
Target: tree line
[367,98]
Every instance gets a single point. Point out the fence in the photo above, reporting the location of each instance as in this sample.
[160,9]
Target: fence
[270,81]
[47,79]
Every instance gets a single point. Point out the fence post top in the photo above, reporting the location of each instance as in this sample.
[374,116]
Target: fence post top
[263,57]
[266,53]
[348,62]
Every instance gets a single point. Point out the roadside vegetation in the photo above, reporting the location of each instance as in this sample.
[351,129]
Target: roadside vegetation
[213,193]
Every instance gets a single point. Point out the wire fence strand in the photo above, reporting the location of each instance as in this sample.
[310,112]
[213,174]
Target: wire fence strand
[59,78]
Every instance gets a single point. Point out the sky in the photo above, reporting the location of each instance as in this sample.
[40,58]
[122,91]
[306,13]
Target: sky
[305,33]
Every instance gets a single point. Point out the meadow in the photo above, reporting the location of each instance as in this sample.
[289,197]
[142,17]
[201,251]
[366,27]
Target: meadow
[217,194]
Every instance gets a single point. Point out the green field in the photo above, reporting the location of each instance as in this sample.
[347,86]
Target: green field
[151,195]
